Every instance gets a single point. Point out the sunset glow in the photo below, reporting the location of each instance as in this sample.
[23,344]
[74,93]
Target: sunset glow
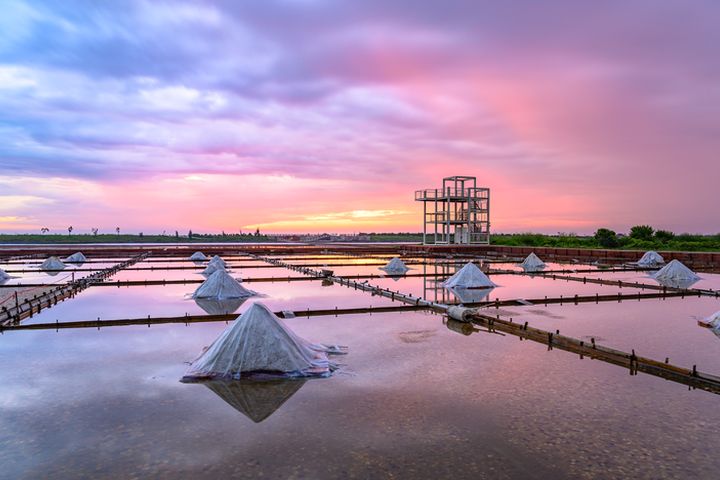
[319,115]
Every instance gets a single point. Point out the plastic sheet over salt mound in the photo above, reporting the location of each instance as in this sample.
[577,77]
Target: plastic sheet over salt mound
[469,276]
[651,259]
[258,342]
[198,257]
[52,263]
[212,268]
[4,276]
[395,267]
[220,285]
[76,257]
[532,263]
[676,274]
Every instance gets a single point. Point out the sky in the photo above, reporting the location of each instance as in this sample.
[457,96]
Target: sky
[327,115]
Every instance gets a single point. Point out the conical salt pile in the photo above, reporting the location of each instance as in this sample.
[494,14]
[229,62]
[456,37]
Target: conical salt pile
[76,257]
[395,267]
[651,259]
[217,260]
[198,257]
[469,276]
[52,263]
[220,285]
[3,275]
[532,262]
[212,268]
[259,341]
[676,275]
[714,321]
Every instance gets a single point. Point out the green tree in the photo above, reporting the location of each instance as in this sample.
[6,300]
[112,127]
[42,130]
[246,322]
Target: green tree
[642,232]
[606,238]
[664,235]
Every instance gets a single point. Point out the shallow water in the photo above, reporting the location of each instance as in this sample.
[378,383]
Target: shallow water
[414,399]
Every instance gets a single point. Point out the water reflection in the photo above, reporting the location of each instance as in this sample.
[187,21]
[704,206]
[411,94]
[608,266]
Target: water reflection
[470,295]
[213,306]
[256,399]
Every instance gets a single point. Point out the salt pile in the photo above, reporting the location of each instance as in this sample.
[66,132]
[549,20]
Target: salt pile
[532,262]
[676,275]
[198,257]
[76,257]
[651,259]
[52,263]
[714,321]
[259,342]
[218,260]
[395,267]
[216,263]
[220,285]
[469,276]
[3,275]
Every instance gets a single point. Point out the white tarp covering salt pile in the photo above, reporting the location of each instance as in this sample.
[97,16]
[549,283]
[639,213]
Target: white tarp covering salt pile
[675,275]
[52,263]
[651,259]
[76,257]
[220,285]
[198,257]
[469,276]
[3,275]
[215,263]
[260,342]
[256,399]
[395,267]
[532,262]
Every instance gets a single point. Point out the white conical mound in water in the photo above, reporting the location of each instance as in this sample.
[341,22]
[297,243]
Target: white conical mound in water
[675,274]
[220,285]
[52,263]
[714,321]
[198,257]
[259,341]
[217,260]
[395,266]
[3,275]
[532,262]
[76,257]
[469,276]
[651,259]
[213,267]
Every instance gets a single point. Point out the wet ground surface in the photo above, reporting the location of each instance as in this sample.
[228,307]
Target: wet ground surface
[414,399]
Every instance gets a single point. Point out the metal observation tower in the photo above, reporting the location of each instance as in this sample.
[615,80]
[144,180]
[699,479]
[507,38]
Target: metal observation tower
[459,212]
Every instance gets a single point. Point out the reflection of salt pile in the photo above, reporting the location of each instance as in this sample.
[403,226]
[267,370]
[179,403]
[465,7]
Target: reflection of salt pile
[470,295]
[256,399]
[395,267]
[651,259]
[469,276]
[52,263]
[214,306]
[198,257]
[76,257]
[676,275]
[220,285]
[532,262]
[215,264]
[258,341]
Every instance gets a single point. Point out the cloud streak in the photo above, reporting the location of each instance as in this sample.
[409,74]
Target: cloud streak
[577,114]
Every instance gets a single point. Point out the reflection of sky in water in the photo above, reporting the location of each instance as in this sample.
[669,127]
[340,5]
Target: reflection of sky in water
[414,399]
[171,300]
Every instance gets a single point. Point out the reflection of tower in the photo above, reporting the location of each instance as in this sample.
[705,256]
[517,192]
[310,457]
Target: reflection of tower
[459,212]
[434,289]
[256,399]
